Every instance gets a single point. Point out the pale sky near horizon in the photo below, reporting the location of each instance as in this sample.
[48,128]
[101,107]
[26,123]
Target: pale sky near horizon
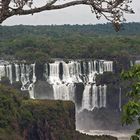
[72,15]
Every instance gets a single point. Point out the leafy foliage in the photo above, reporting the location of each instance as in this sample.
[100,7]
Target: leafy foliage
[132,108]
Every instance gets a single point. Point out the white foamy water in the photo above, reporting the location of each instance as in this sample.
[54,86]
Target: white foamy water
[121,135]
[63,76]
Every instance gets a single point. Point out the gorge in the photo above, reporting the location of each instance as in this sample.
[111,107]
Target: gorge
[71,80]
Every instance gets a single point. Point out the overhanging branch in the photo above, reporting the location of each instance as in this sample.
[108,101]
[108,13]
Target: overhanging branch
[112,10]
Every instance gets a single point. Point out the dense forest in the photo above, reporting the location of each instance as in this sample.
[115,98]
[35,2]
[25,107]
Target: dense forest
[41,43]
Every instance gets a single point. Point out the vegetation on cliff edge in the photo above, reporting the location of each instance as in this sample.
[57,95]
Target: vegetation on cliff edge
[25,119]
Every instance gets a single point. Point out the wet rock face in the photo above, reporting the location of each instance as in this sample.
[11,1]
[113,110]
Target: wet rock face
[43,90]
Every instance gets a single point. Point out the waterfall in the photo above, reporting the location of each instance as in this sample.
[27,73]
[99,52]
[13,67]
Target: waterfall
[95,66]
[102,96]
[31,91]
[71,72]
[63,91]
[105,66]
[120,99]
[91,72]
[67,68]
[2,71]
[54,73]
[24,77]
[64,77]
[17,72]
[101,66]
[108,66]
[71,91]
[94,97]
[28,83]
[9,72]
[31,85]
[86,98]
[84,76]
[34,76]
[76,72]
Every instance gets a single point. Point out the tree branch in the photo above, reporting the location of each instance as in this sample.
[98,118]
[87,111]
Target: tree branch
[113,8]
[48,6]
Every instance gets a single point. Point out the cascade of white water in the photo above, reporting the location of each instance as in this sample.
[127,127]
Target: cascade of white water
[71,91]
[2,71]
[102,96]
[23,77]
[46,72]
[31,91]
[31,84]
[34,76]
[71,72]
[75,71]
[86,98]
[101,66]
[137,62]
[85,77]
[17,72]
[64,88]
[132,63]
[54,72]
[120,99]
[25,73]
[63,91]
[94,96]
[79,71]
[67,68]
[108,66]
[84,68]
[95,66]
[92,72]
[9,72]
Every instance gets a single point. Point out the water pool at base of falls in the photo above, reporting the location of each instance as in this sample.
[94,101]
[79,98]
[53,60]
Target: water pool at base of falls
[121,135]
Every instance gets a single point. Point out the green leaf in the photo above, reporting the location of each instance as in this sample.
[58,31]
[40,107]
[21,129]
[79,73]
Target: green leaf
[138,132]
[134,137]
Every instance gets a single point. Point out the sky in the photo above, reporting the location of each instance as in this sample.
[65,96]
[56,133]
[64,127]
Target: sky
[72,15]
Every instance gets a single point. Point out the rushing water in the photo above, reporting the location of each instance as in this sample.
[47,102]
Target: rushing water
[64,78]
[74,80]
